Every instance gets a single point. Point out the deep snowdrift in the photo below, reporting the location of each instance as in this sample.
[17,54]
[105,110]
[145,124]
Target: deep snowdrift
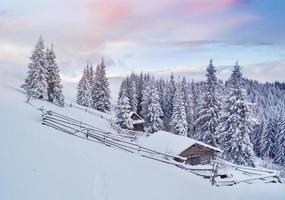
[38,162]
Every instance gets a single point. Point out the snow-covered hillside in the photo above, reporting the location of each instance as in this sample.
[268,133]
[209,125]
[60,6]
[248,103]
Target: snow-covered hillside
[38,162]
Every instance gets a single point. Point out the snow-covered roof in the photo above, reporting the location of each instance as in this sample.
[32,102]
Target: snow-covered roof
[167,142]
[137,121]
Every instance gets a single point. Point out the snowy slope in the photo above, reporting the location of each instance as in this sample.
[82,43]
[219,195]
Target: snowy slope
[38,162]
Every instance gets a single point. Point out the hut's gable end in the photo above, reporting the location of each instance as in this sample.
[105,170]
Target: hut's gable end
[137,121]
[135,117]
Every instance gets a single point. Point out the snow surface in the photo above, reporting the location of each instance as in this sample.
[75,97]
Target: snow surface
[166,142]
[38,162]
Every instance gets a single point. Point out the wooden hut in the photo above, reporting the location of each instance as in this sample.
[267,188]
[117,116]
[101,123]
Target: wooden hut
[198,153]
[194,151]
[137,122]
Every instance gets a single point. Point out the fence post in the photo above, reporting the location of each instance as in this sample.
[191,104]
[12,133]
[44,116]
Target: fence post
[87,132]
[215,173]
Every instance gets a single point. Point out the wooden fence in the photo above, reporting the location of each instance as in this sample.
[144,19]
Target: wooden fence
[126,142]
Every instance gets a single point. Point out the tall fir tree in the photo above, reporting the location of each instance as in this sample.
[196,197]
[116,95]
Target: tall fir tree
[101,91]
[268,139]
[36,82]
[168,101]
[139,86]
[237,123]
[195,110]
[132,93]
[178,119]
[279,157]
[188,102]
[90,72]
[123,111]
[255,137]
[151,110]
[84,93]
[54,89]
[208,116]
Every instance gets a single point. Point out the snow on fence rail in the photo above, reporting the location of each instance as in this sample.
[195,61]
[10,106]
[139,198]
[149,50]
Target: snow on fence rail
[109,119]
[251,173]
[121,141]
[74,127]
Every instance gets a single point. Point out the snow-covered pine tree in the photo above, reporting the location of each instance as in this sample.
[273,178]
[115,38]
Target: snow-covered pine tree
[151,110]
[90,74]
[237,123]
[132,93]
[84,95]
[54,89]
[195,109]
[139,92]
[279,153]
[187,99]
[208,116]
[268,139]
[178,120]
[101,91]
[160,84]
[123,111]
[168,101]
[255,137]
[36,82]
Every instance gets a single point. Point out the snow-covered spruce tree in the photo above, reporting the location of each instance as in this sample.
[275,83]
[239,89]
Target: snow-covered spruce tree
[178,120]
[280,145]
[101,91]
[132,93]
[188,102]
[139,92]
[36,82]
[208,117]
[255,137]
[195,109]
[168,101]
[269,139]
[151,110]
[123,111]
[54,89]
[237,123]
[90,73]
[84,95]
[160,84]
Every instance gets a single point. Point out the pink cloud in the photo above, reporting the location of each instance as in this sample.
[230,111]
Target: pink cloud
[208,7]
[109,13]
[109,22]
[240,20]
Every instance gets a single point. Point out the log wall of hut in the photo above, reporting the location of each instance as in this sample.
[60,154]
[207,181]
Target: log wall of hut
[198,154]
[138,127]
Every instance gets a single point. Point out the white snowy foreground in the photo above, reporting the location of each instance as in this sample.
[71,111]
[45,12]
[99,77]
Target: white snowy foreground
[38,162]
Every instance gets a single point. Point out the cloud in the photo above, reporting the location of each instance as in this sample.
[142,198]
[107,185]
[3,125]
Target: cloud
[145,32]
[109,13]
[268,71]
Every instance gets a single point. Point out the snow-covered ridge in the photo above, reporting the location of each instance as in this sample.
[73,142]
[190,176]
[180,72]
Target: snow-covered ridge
[42,163]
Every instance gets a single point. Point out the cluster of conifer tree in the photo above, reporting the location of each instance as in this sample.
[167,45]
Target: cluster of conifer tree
[242,117]
[93,88]
[43,80]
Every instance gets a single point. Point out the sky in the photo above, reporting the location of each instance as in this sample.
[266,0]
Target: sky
[155,36]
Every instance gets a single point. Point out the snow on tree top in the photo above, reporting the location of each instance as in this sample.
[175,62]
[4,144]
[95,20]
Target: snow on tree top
[167,142]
